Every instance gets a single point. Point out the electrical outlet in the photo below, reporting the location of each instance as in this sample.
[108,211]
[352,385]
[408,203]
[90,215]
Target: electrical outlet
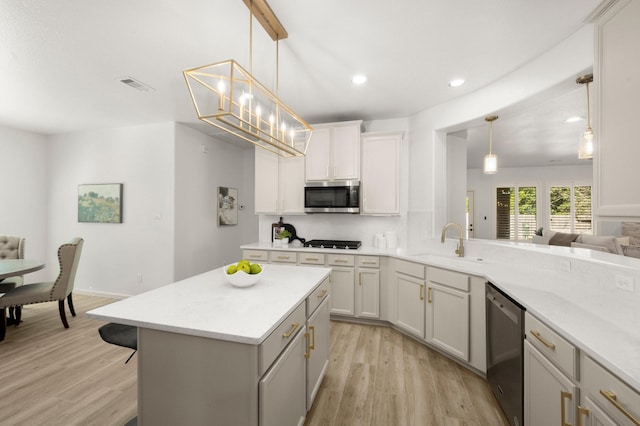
[625,282]
[564,265]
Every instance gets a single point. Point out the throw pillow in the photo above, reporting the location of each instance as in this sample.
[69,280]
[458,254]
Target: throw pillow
[631,251]
[604,241]
[562,239]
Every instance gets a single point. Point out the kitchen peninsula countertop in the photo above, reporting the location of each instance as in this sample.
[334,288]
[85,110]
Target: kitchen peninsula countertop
[206,305]
[571,290]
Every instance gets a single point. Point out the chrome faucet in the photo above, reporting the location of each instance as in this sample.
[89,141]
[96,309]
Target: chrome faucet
[460,248]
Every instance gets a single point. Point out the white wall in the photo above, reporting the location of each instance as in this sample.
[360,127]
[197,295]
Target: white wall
[541,177]
[201,244]
[456,179]
[24,177]
[428,197]
[140,157]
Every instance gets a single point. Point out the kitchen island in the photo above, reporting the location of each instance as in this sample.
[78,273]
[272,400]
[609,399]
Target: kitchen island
[211,353]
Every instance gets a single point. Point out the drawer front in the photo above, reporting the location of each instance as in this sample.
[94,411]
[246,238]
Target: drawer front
[368,261]
[254,255]
[341,260]
[311,258]
[557,349]
[283,257]
[616,398]
[448,278]
[318,295]
[281,336]
[410,268]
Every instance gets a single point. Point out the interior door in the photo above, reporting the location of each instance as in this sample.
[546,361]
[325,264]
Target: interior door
[470,215]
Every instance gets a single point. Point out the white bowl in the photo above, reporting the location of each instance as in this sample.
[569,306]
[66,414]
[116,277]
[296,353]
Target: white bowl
[241,278]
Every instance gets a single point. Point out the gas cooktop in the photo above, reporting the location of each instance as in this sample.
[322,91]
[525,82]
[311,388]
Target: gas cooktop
[334,244]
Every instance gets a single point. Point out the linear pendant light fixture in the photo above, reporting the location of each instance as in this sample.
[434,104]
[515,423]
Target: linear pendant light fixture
[585,148]
[490,160]
[229,97]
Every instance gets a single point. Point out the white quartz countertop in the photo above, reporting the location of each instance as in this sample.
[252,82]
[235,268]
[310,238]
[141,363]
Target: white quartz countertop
[206,305]
[580,302]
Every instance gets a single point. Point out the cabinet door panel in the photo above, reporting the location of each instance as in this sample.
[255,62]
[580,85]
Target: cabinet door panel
[318,361]
[544,385]
[368,291]
[266,181]
[380,182]
[292,185]
[410,304]
[283,389]
[342,291]
[318,156]
[592,415]
[448,319]
[346,152]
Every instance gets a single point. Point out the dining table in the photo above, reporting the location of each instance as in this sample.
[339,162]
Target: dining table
[16,267]
[12,268]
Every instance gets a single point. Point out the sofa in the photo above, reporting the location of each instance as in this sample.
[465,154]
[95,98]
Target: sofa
[626,245]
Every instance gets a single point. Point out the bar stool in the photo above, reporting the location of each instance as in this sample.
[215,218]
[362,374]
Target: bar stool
[120,335]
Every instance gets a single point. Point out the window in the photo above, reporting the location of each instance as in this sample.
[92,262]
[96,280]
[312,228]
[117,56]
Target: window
[516,212]
[570,209]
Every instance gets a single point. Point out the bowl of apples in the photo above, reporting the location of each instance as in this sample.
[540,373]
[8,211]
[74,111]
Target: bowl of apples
[243,273]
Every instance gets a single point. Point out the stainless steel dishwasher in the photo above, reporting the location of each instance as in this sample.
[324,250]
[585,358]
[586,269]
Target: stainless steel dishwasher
[505,359]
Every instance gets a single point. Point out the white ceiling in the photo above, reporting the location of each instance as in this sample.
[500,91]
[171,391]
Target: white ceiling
[61,61]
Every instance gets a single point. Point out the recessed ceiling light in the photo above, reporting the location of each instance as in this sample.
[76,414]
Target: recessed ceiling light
[573,119]
[359,79]
[457,82]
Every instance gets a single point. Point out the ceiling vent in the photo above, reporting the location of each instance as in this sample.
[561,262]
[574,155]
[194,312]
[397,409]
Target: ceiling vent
[136,84]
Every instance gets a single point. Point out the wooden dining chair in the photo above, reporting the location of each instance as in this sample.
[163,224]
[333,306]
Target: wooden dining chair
[60,289]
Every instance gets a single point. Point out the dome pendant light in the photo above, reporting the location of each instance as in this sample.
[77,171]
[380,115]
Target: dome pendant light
[585,148]
[490,160]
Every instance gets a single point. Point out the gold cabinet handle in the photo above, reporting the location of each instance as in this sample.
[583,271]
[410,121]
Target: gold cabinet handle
[582,412]
[341,260]
[421,288]
[288,334]
[369,262]
[313,258]
[323,294]
[613,399]
[360,278]
[544,341]
[313,337]
[283,257]
[307,354]
[255,256]
[564,395]
[429,294]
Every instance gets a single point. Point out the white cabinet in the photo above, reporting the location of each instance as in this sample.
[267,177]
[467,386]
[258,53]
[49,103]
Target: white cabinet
[609,400]
[448,311]
[616,69]
[368,288]
[279,183]
[342,284]
[380,174]
[334,152]
[408,290]
[317,349]
[589,414]
[550,397]
[282,390]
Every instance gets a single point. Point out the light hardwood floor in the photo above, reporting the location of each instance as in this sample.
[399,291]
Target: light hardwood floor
[376,376]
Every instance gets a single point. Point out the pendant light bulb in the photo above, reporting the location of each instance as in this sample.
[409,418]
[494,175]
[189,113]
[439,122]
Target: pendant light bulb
[585,146]
[490,166]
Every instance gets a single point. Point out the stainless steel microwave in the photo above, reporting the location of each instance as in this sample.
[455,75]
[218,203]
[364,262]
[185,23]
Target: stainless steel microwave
[332,197]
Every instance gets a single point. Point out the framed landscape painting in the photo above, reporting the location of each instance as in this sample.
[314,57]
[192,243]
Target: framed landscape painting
[100,203]
[227,206]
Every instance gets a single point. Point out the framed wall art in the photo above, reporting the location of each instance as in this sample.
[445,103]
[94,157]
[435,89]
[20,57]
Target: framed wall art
[100,203]
[227,206]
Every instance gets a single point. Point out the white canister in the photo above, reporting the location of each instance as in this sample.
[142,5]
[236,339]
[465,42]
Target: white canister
[392,239]
[377,237]
[381,243]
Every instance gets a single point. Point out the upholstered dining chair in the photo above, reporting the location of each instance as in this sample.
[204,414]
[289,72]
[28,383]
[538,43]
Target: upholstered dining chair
[11,248]
[61,288]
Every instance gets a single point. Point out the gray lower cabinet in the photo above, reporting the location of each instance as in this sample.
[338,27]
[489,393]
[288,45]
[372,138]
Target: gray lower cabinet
[282,390]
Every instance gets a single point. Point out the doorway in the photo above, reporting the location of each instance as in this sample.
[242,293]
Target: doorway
[470,216]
